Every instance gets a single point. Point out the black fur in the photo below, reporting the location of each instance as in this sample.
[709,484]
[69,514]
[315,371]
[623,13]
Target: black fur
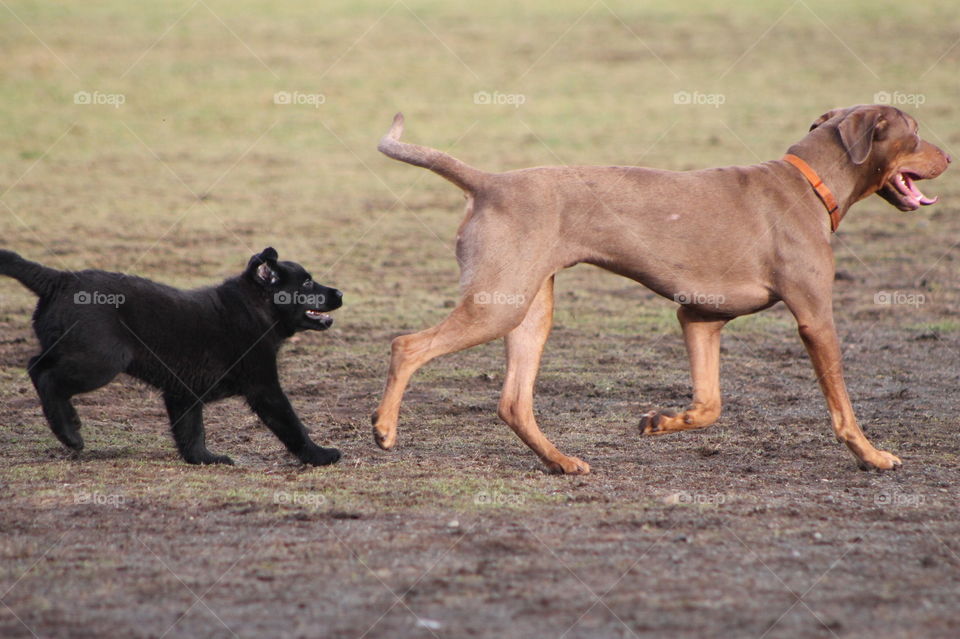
[196,346]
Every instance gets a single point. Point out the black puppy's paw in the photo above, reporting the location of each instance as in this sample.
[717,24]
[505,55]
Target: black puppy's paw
[71,439]
[208,458]
[319,456]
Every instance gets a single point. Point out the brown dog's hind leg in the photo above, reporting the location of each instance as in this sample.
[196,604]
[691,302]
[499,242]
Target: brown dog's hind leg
[471,323]
[702,338]
[524,346]
[820,338]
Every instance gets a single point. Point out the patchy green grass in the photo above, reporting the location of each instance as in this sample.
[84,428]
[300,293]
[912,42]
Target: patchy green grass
[944,326]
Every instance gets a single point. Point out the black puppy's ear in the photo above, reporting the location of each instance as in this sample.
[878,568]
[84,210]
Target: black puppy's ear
[858,130]
[262,267]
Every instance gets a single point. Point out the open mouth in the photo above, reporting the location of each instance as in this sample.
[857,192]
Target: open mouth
[904,186]
[317,316]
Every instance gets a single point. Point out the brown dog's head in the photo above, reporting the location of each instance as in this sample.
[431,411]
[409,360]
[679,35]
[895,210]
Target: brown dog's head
[883,142]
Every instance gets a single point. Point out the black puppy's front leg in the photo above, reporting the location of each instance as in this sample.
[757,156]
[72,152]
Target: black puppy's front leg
[273,407]
[186,422]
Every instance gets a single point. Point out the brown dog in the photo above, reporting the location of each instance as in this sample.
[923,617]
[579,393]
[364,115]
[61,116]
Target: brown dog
[723,242]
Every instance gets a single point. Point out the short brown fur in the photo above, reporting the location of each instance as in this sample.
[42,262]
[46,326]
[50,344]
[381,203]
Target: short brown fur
[733,240]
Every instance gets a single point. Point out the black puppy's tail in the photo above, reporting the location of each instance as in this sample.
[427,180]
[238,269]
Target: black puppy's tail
[37,277]
[463,175]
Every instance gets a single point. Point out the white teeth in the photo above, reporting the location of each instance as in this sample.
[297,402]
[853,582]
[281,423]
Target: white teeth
[911,194]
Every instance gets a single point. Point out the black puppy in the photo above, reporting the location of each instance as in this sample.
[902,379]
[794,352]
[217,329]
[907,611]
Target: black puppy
[195,346]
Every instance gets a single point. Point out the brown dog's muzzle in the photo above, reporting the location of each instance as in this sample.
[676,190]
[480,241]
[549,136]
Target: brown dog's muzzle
[900,188]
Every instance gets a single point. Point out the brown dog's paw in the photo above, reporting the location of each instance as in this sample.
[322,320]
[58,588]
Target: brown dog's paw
[655,422]
[568,466]
[384,435]
[880,460]
[385,440]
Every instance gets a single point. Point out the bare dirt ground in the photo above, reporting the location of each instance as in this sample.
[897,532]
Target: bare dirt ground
[760,526]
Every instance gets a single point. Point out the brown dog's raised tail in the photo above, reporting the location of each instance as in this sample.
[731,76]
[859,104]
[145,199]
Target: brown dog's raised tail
[446,166]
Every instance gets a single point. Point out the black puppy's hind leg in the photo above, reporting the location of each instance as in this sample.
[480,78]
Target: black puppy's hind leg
[272,406]
[186,422]
[68,367]
[55,399]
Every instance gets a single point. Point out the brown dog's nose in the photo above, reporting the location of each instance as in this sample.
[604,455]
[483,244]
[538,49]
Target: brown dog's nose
[949,158]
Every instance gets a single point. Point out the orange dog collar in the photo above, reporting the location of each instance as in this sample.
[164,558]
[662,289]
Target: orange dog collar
[825,194]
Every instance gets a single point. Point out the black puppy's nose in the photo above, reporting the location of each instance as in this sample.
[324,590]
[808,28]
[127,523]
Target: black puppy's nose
[336,298]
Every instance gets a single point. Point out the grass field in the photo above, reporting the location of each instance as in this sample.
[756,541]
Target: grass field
[175,139]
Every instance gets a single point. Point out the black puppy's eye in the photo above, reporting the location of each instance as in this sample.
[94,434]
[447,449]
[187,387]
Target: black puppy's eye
[307,284]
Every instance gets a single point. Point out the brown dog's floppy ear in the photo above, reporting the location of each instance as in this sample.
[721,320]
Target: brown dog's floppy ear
[262,267]
[857,132]
[826,116]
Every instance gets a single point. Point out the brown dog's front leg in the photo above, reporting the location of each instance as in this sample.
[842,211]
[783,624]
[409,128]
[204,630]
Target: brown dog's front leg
[820,338]
[702,338]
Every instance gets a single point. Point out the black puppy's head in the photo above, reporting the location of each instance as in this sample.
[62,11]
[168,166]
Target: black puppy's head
[299,302]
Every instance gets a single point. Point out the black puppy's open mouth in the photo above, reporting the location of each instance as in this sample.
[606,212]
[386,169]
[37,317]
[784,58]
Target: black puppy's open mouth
[319,317]
[903,193]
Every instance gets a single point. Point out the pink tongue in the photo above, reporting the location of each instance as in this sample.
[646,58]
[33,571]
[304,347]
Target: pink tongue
[917,193]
